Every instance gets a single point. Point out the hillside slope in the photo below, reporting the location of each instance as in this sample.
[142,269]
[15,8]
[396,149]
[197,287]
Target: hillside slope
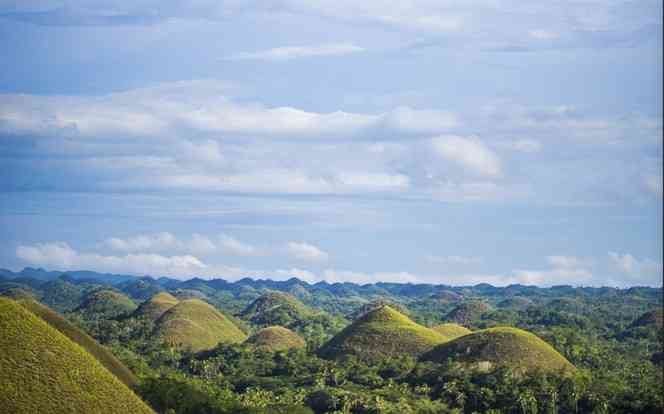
[196,325]
[379,334]
[276,338]
[511,347]
[43,371]
[153,308]
[103,355]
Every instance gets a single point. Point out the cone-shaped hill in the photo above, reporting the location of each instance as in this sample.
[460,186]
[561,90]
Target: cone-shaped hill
[103,355]
[275,308]
[502,346]
[196,325]
[43,371]
[107,303]
[379,334]
[153,308]
[467,312]
[451,330]
[276,338]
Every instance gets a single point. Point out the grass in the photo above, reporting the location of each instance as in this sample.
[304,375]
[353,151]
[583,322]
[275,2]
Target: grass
[276,338]
[106,302]
[156,306]
[103,355]
[379,334]
[451,330]
[502,346]
[197,326]
[43,371]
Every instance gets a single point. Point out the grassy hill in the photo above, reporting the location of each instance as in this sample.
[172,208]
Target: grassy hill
[196,325]
[43,371]
[103,355]
[381,333]
[451,330]
[276,338]
[467,312]
[275,308]
[511,347]
[156,306]
[107,303]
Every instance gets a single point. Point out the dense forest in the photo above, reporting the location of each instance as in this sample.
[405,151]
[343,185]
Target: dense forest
[263,346]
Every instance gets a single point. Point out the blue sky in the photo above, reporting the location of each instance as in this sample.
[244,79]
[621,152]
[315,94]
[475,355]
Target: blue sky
[423,141]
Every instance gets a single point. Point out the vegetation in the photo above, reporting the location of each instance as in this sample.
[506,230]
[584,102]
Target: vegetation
[510,347]
[196,326]
[276,338]
[43,371]
[372,364]
[106,303]
[379,334]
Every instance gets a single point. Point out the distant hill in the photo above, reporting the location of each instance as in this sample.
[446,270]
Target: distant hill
[652,318]
[467,312]
[43,371]
[515,302]
[103,355]
[275,308]
[140,289]
[447,296]
[381,333]
[511,347]
[451,330]
[368,307]
[276,338]
[195,325]
[107,303]
[153,308]
[61,295]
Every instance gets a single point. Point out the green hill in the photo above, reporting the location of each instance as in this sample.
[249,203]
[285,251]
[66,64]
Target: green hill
[379,334]
[511,347]
[196,325]
[447,296]
[103,355]
[515,302]
[652,318]
[451,330]
[106,303]
[156,306]
[275,308]
[375,304]
[467,312]
[43,371]
[276,338]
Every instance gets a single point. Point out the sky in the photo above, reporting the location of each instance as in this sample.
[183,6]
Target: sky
[424,141]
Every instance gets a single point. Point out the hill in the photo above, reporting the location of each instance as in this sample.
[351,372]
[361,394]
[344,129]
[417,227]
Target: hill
[103,355]
[379,334]
[446,296]
[107,303]
[157,305]
[515,302]
[61,295]
[511,347]
[652,318]
[275,308]
[467,312]
[451,330]
[276,338]
[43,371]
[195,325]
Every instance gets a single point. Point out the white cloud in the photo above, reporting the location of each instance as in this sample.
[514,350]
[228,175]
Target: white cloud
[296,52]
[60,255]
[237,247]
[540,34]
[305,251]
[471,154]
[634,270]
[564,270]
[160,242]
[521,145]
